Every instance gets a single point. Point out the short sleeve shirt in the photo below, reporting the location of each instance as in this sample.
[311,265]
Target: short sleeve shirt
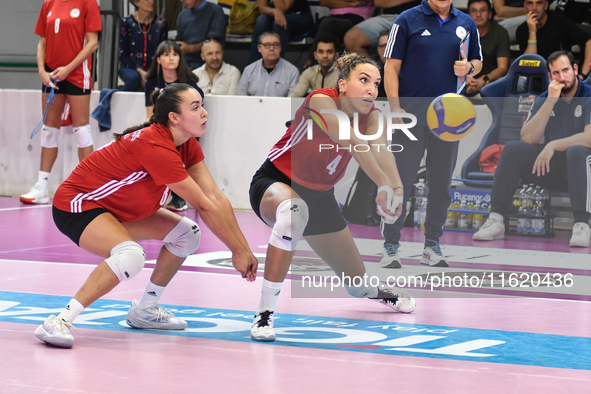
[494,44]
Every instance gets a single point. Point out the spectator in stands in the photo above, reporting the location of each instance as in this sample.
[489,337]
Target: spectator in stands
[494,42]
[139,36]
[577,11]
[554,151]
[270,76]
[288,18]
[510,14]
[199,20]
[216,76]
[366,34]
[382,42]
[168,66]
[545,33]
[68,36]
[322,75]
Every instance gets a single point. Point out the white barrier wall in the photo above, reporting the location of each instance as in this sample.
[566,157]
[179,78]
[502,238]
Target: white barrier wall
[240,133]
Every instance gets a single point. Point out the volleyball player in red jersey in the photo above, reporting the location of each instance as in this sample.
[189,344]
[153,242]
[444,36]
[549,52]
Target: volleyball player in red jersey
[115,197]
[293,190]
[68,31]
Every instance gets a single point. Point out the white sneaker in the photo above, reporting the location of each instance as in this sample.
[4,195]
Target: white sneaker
[154,317]
[491,229]
[581,237]
[262,327]
[390,257]
[37,195]
[56,332]
[397,299]
[433,257]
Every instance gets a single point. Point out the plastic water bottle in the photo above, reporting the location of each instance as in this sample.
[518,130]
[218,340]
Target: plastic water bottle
[420,211]
[450,220]
[463,217]
[538,222]
[477,217]
[524,223]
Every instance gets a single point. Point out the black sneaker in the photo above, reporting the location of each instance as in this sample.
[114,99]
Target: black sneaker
[176,204]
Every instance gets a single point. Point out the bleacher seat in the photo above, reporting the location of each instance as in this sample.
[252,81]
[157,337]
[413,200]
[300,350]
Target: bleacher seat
[509,99]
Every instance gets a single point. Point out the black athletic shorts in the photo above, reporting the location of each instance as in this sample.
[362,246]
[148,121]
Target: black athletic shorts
[65,87]
[325,214]
[72,225]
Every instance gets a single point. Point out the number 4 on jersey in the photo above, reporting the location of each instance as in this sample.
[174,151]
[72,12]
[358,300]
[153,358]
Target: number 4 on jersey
[332,166]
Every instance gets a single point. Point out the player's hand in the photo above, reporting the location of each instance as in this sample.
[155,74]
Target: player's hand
[60,74]
[554,89]
[245,263]
[532,22]
[280,18]
[389,203]
[542,163]
[462,67]
[46,79]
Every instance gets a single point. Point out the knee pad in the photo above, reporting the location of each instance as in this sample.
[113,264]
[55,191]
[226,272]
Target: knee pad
[83,136]
[291,219]
[359,291]
[127,260]
[183,240]
[50,137]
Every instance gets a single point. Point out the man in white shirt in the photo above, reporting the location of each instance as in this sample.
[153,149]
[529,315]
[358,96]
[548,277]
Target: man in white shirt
[270,76]
[216,76]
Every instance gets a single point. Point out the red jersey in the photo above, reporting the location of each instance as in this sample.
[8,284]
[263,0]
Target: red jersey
[64,25]
[308,165]
[128,177]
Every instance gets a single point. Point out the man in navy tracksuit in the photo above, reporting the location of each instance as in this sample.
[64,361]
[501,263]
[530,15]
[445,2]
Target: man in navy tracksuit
[424,61]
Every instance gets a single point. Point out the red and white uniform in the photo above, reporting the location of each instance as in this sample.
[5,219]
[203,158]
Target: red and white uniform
[128,177]
[64,25]
[301,160]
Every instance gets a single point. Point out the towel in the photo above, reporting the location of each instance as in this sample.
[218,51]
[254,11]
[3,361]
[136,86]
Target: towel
[102,113]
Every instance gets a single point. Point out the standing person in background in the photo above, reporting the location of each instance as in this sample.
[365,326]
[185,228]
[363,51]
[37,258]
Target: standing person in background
[139,36]
[69,36]
[216,76]
[168,66]
[199,20]
[423,61]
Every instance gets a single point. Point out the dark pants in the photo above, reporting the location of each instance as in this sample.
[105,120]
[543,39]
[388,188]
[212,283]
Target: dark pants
[441,161]
[569,171]
[131,78]
[297,25]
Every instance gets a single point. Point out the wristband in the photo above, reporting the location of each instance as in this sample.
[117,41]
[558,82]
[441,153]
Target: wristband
[532,42]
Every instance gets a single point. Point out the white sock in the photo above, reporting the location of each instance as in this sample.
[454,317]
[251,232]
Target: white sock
[71,311]
[43,179]
[151,295]
[269,295]
[496,216]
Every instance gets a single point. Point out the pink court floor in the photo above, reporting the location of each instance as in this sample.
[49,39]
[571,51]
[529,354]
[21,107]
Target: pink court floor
[481,330]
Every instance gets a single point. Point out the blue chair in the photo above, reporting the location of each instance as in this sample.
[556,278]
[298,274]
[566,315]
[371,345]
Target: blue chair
[509,99]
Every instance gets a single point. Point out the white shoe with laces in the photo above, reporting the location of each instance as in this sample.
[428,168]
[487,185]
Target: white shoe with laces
[262,327]
[491,229]
[56,331]
[37,195]
[154,317]
[433,257]
[390,258]
[397,299]
[581,237]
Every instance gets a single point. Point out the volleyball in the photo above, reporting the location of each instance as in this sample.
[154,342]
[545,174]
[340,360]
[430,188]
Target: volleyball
[451,117]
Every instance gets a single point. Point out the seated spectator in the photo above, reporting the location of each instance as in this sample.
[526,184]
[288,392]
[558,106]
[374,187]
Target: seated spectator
[366,34]
[322,75]
[288,18]
[553,153]
[168,66]
[510,14]
[216,76]
[270,76]
[577,11]
[200,19]
[494,42]
[140,33]
[545,33]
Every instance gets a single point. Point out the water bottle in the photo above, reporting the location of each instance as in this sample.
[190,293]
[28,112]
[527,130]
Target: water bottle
[420,211]
[538,222]
[463,217]
[450,220]
[477,218]
[470,206]
[523,223]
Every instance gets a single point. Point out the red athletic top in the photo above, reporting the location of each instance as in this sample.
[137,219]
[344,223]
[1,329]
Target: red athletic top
[128,177]
[308,165]
[64,25]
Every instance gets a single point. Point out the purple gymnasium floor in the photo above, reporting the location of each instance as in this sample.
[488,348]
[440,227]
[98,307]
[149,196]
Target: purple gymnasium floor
[452,343]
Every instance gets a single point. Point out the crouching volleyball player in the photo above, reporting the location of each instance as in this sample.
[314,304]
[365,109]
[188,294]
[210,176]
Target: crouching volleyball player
[293,191]
[114,198]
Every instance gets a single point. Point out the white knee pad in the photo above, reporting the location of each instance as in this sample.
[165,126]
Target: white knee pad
[359,291]
[127,260]
[50,137]
[83,136]
[183,240]
[291,219]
